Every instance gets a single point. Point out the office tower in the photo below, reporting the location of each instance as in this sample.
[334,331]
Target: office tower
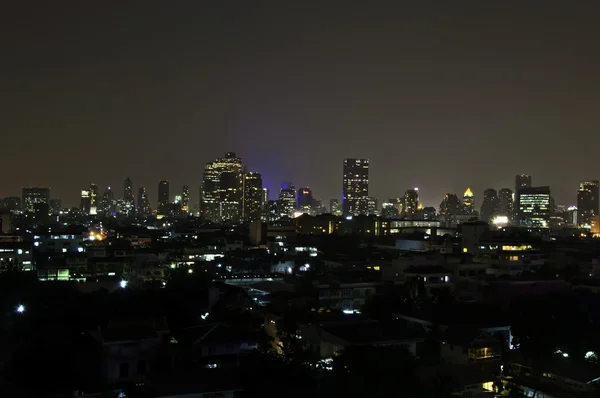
[372,206]
[287,199]
[265,196]
[185,199]
[252,196]
[163,197]
[505,204]
[55,206]
[490,206]
[108,203]
[534,207]
[521,181]
[86,201]
[94,197]
[411,202]
[355,186]
[450,205]
[211,184]
[389,210]
[468,202]
[304,200]
[334,206]
[33,196]
[143,207]
[587,202]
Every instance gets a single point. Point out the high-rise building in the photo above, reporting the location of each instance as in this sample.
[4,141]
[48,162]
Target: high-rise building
[11,204]
[450,205]
[411,202]
[334,207]
[252,196]
[212,192]
[521,181]
[490,205]
[287,199]
[372,209]
[388,210]
[163,197]
[108,205]
[33,196]
[587,202]
[143,207]
[185,199]
[468,202]
[86,201]
[94,198]
[534,207]
[506,205]
[304,199]
[355,187]
[55,206]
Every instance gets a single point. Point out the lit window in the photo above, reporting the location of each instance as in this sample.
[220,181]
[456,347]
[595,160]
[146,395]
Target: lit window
[464,250]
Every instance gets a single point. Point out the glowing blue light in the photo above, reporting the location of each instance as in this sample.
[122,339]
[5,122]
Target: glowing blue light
[21,309]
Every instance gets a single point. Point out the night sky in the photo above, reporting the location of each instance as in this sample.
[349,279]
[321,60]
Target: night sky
[438,96]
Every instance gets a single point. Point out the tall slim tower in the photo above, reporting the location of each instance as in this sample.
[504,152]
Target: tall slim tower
[163,196]
[252,196]
[185,199]
[587,202]
[506,204]
[355,186]
[490,205]
[468,201]
[213,194]
[521,181]
[411,202]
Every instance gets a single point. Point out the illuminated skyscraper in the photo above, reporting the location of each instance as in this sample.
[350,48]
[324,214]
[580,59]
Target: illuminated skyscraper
[521,181]
[450,205]
[587,202]
[411,202]
[287,199]
[534,207]
[163,197]
[86,201]
[185,199]
[94,198]
[334,207]
[355,187]
[108,205]
[252,196]
[212,192]
[143,203]
[33,196]
[304,200]
[468,202]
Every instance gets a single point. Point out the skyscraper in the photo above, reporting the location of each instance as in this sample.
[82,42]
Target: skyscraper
[521,181]
[411,202]
[534,207]
[108,205]
[33,196]
[506,205]
[355,186]
[468,202]
[252,196]
[587,202]
[143,203]
[94,198]
[86,201]
[450,205]
[287,199]
[490,205]
[163,197]
[185,199]
[212,192]
[304,200]
[334,206]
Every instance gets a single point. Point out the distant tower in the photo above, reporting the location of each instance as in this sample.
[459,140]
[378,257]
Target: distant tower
[287,199]
[587,202]
[252,196]
[185,199]
[489,205]
[304,200]
[411,202]
[94,199]
[163,196]
[521,181]
[355,186]
[506,204]
[468,201]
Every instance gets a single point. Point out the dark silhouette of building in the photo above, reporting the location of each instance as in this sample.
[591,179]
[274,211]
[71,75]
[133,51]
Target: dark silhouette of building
[587,202]
[490,205]
[163,197]
[32,196]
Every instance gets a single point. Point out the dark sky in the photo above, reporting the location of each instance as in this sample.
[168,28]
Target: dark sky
[439,95]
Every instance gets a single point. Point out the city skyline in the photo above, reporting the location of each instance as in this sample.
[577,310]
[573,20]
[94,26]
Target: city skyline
[441,98]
